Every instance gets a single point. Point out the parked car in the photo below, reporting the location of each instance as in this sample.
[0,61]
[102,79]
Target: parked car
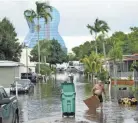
[31,76]
[23,86]
[9,111]
[71,69]
[39,77]
[60,69]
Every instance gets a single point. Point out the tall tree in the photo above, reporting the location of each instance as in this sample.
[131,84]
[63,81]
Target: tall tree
[10,48]
[99,26]
[71,57]
[44,50]
[52,49]
[57,54]
[84,49]
[133,40]
[42,11]
[115,54]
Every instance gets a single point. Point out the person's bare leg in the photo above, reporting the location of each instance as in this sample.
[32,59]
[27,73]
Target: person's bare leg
[101,106]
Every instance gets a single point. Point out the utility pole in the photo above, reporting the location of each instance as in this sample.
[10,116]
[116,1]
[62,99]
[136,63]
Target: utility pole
[27,61]
[38,29]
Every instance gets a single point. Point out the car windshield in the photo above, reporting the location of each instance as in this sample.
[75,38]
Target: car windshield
[23,82]
[19,85]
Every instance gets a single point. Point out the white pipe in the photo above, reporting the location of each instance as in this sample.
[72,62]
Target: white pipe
[16,90]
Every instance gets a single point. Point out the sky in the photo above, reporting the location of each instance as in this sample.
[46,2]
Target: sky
[75,15]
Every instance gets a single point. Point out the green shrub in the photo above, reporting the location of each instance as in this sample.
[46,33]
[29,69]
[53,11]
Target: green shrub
[44,69]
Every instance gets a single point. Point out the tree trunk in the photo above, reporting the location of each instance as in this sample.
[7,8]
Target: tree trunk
[96,49]
[44,29]
[50,65]
[88,77]
[115,79]
[38,47]
[45,59]
[91,77]
[104,54]
[115,73]
[105,58]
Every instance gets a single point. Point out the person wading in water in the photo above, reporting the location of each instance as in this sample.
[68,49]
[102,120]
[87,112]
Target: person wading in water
[97,90]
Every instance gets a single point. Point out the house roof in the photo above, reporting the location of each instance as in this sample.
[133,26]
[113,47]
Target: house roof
[10,64]
[130,57]
[136,54]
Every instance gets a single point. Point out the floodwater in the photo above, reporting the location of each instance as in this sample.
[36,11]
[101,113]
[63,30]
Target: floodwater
[46,103]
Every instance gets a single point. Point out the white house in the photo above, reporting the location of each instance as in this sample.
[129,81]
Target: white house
[8,71]
[26,61]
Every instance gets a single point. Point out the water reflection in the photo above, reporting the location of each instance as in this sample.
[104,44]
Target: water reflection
[95,116]
[88,88]
[46,102]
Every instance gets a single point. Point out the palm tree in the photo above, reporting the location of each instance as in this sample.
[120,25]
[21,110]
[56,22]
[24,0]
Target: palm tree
[115,52]
[92,64]
[101,38]
[41,12]
[29,15]
[45,49]
[99,26]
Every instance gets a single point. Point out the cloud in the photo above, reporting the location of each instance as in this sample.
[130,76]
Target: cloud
[75,15]
[72,41]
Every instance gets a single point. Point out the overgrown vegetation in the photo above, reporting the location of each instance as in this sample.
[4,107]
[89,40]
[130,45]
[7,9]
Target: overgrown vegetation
[10,48]
[50,52]
[112,48]
[128,43]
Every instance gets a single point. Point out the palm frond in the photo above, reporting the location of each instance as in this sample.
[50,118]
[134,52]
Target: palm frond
[99,26]
[43,11]
[46,16]
[91,28]
[29,15]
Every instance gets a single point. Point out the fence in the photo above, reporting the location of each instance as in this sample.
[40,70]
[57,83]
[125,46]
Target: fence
[122,75]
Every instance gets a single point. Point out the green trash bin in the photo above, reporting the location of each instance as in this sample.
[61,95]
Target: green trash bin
[68,99]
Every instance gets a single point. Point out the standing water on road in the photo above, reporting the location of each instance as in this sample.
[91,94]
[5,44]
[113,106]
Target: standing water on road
[46,103]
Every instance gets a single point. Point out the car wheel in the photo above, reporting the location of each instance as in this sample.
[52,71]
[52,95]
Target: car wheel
[16,119]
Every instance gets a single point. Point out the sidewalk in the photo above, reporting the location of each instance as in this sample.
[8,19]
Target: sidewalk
[58,120]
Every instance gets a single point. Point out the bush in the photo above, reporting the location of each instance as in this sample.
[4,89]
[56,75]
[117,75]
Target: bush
[103,76]
[44,69]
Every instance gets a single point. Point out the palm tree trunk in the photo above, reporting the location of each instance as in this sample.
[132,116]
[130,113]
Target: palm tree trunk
[96,49]
[115,72]
[104,53]
[105,58]
[115,79]
[45,59]
[38,46]
[44,30]
[92,77]
[88,77]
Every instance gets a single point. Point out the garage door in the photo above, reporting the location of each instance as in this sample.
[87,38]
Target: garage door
[6,76]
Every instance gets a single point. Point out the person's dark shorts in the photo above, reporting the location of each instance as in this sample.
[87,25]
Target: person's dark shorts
[100,98]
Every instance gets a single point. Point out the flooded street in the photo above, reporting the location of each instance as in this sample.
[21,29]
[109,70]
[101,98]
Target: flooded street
[46,103]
